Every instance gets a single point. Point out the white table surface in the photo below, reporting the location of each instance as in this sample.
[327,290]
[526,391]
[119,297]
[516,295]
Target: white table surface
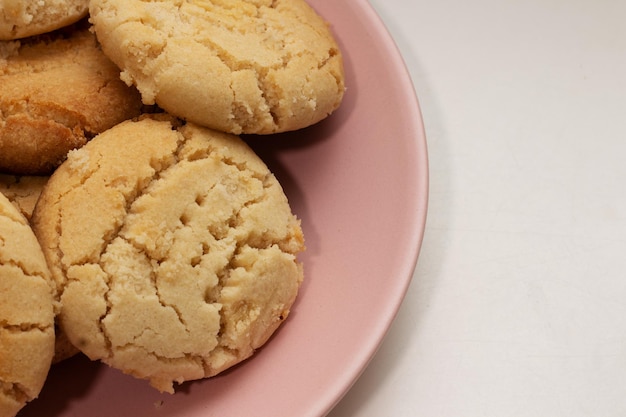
[518,303]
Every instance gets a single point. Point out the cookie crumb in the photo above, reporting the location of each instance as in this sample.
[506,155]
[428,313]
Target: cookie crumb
[78,160]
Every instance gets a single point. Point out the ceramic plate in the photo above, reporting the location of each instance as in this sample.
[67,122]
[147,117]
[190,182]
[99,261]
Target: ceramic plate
[358,181]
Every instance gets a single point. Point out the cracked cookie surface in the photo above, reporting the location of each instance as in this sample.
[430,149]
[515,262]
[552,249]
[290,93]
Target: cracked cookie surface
[261,66]
[22,18]
[26,312]
[56,92]
[173,249]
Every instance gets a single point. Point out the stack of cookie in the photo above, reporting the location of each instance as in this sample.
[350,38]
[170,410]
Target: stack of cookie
[170,248]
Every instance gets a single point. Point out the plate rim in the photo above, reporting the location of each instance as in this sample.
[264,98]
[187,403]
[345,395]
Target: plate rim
[421,198]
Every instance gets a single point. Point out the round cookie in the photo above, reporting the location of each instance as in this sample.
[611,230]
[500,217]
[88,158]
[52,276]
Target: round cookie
[259,67]
[173,249]
[26,312]
[56,92]
[22,18]
[23,192]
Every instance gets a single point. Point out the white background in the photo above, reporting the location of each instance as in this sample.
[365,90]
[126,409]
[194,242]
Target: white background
[518,303]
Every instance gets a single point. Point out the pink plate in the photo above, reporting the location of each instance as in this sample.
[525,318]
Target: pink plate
[358,181]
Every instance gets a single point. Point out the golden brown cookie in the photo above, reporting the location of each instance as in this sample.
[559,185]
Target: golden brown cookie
[56,92]
[173,249]
[238,66]
[26,312]
[22,18]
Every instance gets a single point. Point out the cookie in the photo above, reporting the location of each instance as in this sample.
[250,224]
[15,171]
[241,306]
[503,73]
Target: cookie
[259,67]
[22,18]
[56,92]
[26,312]
[173,249]
[23,192]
